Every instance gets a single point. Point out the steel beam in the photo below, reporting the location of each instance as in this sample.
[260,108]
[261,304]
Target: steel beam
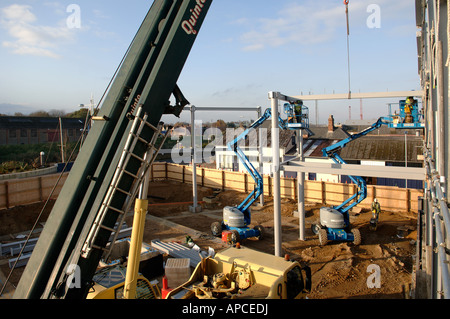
[372,95]
[223,108]
[356,170]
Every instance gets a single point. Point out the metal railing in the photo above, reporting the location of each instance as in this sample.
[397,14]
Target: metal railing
[436,232]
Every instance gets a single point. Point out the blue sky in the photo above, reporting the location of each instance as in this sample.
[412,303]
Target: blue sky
[244,50]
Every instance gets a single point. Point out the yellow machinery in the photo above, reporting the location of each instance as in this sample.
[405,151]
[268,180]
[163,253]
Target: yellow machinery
[121,282]
[114,283]
[245,273]
[110,283]
[137,236]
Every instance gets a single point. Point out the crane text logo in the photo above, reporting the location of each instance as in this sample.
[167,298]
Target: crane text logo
[189,25]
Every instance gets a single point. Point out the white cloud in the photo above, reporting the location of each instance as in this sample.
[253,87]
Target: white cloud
[313,22]
[28,38]
[300,23]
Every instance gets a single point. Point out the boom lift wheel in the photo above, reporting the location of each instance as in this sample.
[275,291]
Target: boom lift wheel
[235,238]
[216,229]
[323,237]
[356,236]
[260,229]
[315,228]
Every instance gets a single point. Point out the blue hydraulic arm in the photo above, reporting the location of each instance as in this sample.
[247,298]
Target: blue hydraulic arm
[331,152]
[233,146]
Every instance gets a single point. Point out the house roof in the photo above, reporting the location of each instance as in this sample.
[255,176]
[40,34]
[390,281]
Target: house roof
[286,137]
[381,145]
[17,122]
[313,147]
[384,148]
[321,132]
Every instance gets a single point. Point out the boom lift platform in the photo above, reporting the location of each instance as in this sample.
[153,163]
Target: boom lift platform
[113,160]
[408,117]
[236,220]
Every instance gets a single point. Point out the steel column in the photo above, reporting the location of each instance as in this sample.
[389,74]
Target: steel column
[276,174]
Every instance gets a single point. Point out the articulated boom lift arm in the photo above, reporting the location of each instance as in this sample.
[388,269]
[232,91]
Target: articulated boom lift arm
[233,146]
[331,152]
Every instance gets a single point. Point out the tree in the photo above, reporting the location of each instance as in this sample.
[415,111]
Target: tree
[80,114]
[221,125]
[57,113]
[39,114]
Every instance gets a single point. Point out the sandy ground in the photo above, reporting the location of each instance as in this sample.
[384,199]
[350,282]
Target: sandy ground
[339,270]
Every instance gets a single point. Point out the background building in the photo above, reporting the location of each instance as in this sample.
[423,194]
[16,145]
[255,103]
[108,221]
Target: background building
[36,130]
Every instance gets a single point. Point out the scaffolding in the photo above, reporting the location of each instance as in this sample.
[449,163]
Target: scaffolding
[432,259]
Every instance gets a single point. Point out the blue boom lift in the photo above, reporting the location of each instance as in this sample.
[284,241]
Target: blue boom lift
[334,221]
[236,220]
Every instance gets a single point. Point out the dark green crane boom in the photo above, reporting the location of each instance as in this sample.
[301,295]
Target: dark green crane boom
[88,206]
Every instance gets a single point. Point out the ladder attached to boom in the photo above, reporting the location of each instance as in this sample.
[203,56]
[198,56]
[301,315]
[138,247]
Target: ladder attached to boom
[134,138]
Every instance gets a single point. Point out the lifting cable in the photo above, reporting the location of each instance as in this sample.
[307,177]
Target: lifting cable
[346,2]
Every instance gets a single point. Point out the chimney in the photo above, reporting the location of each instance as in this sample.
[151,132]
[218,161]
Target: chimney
[331,124]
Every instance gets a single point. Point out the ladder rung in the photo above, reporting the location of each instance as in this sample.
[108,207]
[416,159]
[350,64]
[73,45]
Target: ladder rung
[150,125]
[108,228]
[136,157]
[100,248]
[116,210]
[129,173]
[141,139]
[123,191]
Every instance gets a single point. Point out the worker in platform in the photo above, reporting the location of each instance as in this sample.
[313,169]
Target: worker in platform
[408,109]
[298,110]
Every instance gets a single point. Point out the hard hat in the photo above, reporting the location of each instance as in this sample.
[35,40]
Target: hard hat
[375,200]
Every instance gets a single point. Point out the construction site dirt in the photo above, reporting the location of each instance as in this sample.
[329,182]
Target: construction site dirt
[381,267]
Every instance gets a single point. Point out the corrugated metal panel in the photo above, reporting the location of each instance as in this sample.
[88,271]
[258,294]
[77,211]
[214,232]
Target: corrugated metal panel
[178,251]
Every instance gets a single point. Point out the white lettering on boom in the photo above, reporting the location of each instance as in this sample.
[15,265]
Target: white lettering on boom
[189,25]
